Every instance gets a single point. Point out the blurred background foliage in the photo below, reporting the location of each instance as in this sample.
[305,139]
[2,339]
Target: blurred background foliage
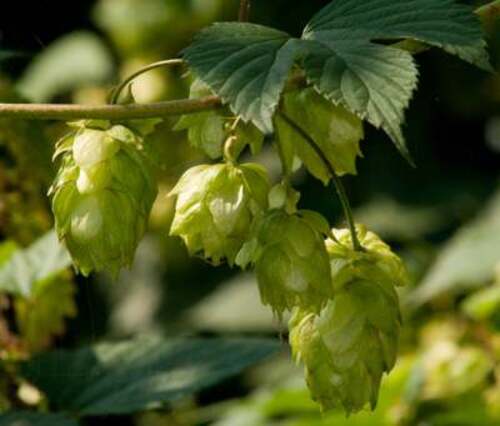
[443,217]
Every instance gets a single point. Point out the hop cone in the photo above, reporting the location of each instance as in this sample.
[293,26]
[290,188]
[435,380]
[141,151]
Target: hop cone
[216,207]
[290,260]
[102,195]
[348,347]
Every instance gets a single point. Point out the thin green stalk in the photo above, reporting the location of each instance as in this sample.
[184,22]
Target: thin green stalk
[339,186]
[166,63]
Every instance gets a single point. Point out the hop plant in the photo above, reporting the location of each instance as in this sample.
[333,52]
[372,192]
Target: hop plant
[216,207]
[102,195]
[348,347]
[290,259]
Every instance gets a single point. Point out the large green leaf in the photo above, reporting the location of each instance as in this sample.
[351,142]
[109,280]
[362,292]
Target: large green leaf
[247,65]
[441,23]
[42,260]
[120,378]
[25,418]
[374,80]
[467,261]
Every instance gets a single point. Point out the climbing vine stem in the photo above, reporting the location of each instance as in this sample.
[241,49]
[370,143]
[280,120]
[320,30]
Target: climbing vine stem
[339,186]
[115,97]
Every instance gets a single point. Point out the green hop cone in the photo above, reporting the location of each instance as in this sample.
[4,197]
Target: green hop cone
[208,130]
[291,262]
[216,207]
[348,347]
[102,195]
[335,131]
[377,262]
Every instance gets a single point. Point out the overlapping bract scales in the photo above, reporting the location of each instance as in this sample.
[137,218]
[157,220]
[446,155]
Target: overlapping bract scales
[377,262]
[348,347]
[102,195]
[291,261]
[209,130]
[216,207]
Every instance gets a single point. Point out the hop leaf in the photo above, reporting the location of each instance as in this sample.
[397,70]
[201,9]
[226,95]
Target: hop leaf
[348,347]
[102,195]
[216,207]
[282,252]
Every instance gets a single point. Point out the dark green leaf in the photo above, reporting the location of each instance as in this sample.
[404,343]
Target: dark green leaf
[246,65]
[377,81]
[142,374]
[25,418]
[441,23]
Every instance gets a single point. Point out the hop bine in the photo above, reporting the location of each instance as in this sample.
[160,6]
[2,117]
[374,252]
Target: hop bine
[103,193]
[217,206]
[348,347]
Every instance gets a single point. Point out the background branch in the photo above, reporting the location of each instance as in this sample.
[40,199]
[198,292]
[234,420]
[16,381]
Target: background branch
[244,14]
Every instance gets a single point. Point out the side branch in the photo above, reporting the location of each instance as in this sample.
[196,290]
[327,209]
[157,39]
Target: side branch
[339,186]
[108,112]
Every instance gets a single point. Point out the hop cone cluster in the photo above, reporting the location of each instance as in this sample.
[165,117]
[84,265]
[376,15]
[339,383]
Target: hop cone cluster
[102,195]
[216,207]
[290,260]
[348,347]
